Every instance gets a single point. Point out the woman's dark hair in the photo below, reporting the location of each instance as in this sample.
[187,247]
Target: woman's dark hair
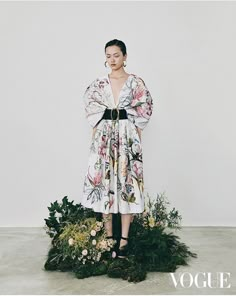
[118,43]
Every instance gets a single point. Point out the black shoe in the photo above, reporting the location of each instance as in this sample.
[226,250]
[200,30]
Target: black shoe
[124,250]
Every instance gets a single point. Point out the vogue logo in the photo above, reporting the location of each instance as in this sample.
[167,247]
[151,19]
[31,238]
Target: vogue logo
[202,280]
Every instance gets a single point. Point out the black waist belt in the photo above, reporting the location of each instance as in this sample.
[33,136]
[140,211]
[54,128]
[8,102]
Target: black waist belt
[115,114]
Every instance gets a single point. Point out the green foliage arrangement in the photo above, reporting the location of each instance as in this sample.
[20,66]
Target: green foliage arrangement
[79,242]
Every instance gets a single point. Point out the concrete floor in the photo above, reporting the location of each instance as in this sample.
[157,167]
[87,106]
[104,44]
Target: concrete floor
[23,252]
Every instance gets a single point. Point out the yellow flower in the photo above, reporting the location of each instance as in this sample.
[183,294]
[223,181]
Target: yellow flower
[151,221]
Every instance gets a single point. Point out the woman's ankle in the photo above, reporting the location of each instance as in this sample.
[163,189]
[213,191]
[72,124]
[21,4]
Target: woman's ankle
[123,242]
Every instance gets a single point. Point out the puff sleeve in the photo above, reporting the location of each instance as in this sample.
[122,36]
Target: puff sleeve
[141,105]
[93,103]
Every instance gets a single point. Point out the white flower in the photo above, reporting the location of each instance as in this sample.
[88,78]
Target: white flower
[93,232]
[71,241]
[58,215]
[84,252]
[99,256]
[94,242]
[97,228]
[99,224]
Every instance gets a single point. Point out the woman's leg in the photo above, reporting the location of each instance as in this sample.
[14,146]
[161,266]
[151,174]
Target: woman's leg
[125,224]
[108,224]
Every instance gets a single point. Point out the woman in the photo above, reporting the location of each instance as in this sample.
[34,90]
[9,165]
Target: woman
[118,106]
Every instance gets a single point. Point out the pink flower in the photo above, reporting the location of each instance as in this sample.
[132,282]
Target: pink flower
[102,150]
[111,201]
[139,94]
[97,178]
[141,111]
[134,102]
[84,252]
[137,167]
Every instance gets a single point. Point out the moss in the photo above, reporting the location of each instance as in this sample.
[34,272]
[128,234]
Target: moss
[151,248]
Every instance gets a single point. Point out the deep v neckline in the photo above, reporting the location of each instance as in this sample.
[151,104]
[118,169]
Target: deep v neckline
[118,99]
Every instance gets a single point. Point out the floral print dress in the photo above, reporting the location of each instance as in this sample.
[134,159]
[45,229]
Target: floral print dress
[114,179]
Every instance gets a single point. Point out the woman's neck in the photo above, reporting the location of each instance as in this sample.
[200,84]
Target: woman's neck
[118,74]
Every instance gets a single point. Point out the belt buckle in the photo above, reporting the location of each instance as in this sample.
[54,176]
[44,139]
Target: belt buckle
[117,114]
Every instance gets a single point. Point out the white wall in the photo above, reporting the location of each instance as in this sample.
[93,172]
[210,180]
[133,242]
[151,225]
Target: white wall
[184,51]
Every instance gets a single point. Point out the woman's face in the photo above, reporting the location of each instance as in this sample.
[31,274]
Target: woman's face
[114,57]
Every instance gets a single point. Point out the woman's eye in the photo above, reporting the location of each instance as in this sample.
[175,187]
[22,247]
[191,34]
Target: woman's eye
[114,56]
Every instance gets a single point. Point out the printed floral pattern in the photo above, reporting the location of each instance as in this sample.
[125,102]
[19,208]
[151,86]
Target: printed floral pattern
[114,180]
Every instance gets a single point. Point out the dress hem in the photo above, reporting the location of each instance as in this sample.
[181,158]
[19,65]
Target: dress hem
[112,212]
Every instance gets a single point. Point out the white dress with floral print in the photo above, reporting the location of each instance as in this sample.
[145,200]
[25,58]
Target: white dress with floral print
[114,179]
